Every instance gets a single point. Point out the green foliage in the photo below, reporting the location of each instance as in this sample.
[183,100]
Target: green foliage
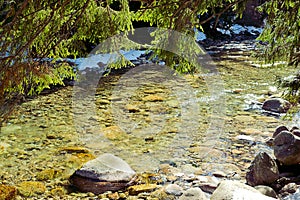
[39,29]
[183,17]
[291,84]
[282,32]
[282,36]
[32,30]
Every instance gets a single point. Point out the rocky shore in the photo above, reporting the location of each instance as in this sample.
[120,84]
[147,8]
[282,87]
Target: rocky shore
[280,171]
[273,176]
[267,178]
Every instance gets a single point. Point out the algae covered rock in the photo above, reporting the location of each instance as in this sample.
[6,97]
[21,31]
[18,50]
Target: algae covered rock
[7,192]
[31,188]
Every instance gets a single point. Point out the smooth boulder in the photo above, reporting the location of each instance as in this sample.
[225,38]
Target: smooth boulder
[266,190]
[276,105]
[263,170]
[229,190]
[286,147]
[105,173]
[279,129]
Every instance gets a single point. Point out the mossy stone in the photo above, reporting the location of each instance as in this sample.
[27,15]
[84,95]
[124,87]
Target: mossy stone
[7,192]
[31,188]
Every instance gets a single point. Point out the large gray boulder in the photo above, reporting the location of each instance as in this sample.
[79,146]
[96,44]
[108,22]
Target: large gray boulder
[105,173]
[263,170]
[286,147]
[234,190]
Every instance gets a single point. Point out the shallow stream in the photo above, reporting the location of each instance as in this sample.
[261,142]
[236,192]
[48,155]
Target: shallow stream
[147,117]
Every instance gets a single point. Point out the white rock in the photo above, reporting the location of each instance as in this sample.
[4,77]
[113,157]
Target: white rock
[174,189]
[234,190]
[107,167]
[193,194]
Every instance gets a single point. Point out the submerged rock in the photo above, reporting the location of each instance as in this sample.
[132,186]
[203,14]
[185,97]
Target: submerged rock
[105,173]
[7,192]
[263,170]
[137,189]
[31,188]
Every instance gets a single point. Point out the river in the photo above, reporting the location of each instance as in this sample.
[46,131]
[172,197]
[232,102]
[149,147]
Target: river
[147,116]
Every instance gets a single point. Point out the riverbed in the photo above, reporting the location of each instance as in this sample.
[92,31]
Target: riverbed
[147,116]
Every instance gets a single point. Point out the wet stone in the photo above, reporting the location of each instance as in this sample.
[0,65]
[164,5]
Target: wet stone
[107,167]
[245,139]
[296,132]
[219,174]
[263,170]
[47,174]
[244,119]
[286,148]
[153,98]
[279,129]
[266,190]
[250,131]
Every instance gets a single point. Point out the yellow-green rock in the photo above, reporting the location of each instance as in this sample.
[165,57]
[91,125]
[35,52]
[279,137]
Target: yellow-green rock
[47,174]
[58,191]
[136,189]
[74,149]
[153,98]
[31,188]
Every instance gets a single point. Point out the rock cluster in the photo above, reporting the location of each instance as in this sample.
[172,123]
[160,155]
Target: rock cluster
[282,172]
[108,175]
[228,190]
